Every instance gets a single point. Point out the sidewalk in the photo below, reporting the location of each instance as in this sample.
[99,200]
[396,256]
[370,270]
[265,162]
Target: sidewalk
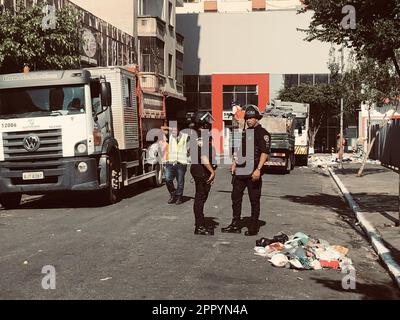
[376,193]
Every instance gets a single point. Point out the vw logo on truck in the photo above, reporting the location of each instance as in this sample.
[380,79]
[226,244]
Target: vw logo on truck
[31,143]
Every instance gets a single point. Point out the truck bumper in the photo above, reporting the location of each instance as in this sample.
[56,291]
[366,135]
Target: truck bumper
[58,175]
[276,162]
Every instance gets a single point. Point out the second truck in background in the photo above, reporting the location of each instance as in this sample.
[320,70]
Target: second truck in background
[287,122]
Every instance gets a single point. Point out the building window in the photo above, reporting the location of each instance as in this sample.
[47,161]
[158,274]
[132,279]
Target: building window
[170,14]
[307,79]
[205,101]
[239,94]
[192,100]
[321,78]
[179,67]
[205,83]
[170,63]
[191,83]
[128,93]
[291,80]
[152,54]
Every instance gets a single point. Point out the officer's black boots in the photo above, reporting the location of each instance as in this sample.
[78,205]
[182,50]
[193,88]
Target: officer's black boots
[172,200]
[251,232]
[234,227]
[203,231]
[252,229]
[179,201]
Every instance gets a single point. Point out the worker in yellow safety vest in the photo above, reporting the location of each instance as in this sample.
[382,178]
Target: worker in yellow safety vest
[176,160]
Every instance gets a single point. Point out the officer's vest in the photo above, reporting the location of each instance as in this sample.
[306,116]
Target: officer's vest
[177,152]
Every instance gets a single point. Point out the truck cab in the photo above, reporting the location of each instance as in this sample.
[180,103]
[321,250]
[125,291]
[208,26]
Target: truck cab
[65,131]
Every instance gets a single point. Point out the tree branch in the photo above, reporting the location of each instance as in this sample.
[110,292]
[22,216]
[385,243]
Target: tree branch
[396,64]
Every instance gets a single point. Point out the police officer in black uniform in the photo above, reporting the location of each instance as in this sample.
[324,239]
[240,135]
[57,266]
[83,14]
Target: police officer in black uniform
[202,168]
[247,170]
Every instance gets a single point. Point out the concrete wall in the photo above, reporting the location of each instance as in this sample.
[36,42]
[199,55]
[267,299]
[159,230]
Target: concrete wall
[252,42]
[121,14]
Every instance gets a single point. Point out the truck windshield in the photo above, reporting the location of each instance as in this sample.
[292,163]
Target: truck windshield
[40,101]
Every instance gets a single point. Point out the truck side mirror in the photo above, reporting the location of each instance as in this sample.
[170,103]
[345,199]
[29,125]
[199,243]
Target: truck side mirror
[106,99]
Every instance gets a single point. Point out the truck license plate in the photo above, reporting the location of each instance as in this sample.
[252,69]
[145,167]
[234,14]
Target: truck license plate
[32,176]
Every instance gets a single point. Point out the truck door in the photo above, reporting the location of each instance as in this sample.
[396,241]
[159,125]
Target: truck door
[101,116]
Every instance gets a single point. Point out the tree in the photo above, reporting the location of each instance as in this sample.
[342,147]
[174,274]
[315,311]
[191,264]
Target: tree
[23,40]
[372,34]
[323,100]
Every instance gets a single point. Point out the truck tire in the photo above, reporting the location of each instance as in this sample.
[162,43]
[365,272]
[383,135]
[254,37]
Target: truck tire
[288,165]
[302,161]
[293,161]
[10,201]
[111,194]
[157,180]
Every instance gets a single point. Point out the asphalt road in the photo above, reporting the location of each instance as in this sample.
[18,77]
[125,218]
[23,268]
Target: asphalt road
[142,248]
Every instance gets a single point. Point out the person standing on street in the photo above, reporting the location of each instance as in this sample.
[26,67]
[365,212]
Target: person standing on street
[247,171]
[176,166]
[202,168]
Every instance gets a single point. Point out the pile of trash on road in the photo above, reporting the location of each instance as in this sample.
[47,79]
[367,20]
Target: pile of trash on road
[303,252]
[331,160]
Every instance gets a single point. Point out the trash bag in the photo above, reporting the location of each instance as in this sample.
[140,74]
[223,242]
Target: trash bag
[280,237]
[263,242]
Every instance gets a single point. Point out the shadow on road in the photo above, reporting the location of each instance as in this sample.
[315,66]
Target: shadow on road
[323,200]
[387,203]
[354,171]
[211,222]
[367,291]
[332,203]
[395,252]
[74,200]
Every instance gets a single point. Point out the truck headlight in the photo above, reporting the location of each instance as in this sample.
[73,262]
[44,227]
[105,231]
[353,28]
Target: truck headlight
[82,167]
[81,148]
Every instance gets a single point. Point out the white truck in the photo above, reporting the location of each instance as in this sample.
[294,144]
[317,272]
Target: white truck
[301,128]
[72,130]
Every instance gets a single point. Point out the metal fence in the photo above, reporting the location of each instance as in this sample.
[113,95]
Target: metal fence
[386,148]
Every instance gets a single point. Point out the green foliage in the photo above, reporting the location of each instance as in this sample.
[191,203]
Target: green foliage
[22,40]
[323,100]
[375,36]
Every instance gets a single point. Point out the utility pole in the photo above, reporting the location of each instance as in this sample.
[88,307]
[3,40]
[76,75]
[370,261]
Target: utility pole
[341,150]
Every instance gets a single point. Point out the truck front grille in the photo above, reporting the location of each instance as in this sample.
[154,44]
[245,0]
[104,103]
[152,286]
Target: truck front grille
[50,145]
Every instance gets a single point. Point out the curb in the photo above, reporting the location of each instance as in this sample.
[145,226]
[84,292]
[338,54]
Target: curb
[373,234]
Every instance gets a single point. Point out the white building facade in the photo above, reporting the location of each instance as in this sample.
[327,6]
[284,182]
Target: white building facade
[161,54]
[245,51]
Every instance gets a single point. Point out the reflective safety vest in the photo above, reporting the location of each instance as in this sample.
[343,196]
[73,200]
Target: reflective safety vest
[177,152]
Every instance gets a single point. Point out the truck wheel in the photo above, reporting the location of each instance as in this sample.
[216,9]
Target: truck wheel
[112,192]
[288,165]
[304,160]
[157,180]
[10,201]
[293,162]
